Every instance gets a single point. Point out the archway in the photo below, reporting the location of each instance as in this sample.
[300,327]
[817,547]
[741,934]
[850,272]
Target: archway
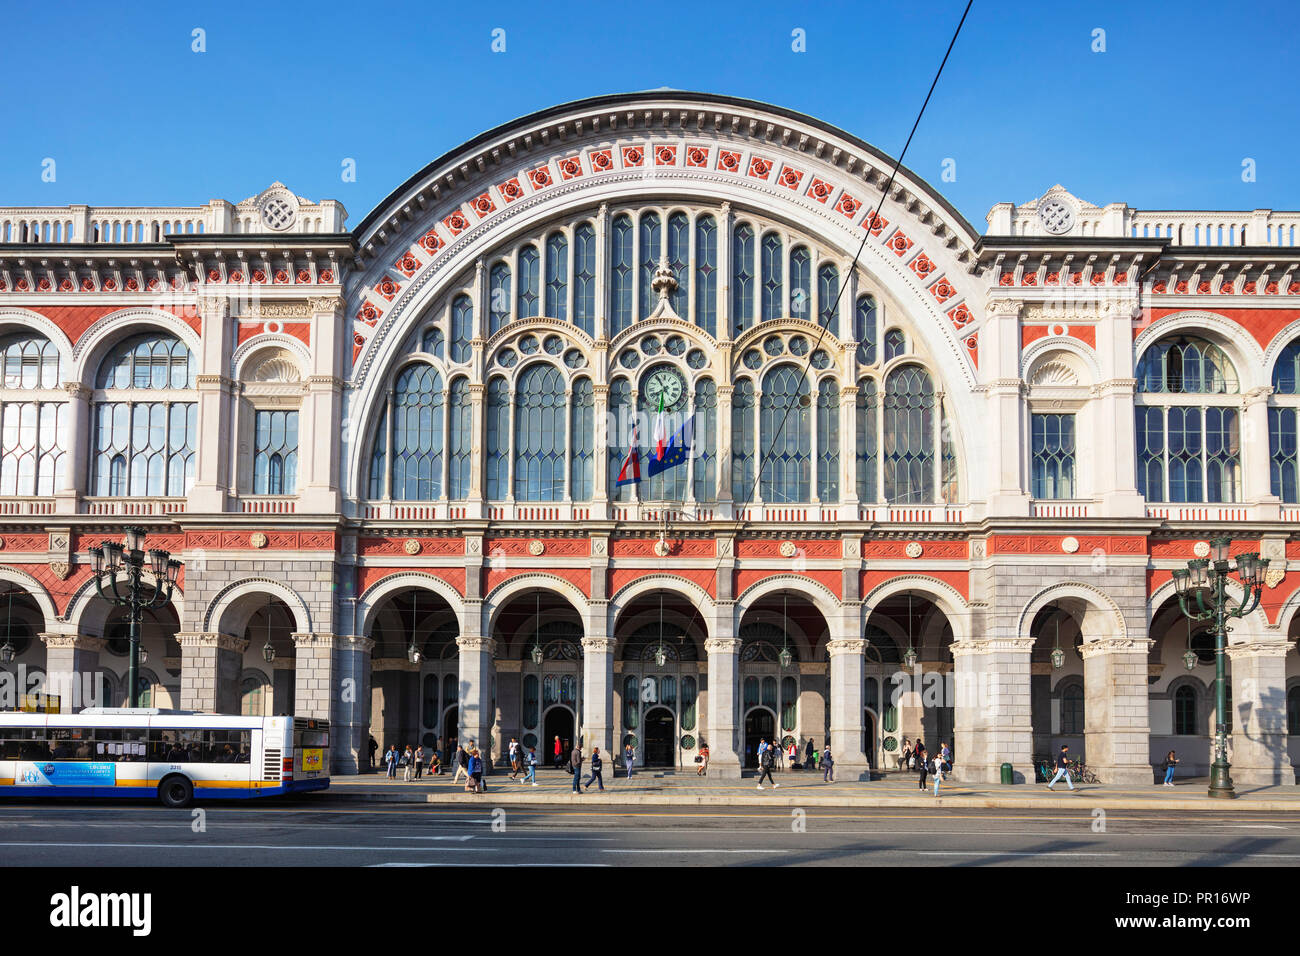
[660,737]
[760,725]
[269,632]
[22,653]
[1183,700]
[920,700]
[558,723]
[1056,694]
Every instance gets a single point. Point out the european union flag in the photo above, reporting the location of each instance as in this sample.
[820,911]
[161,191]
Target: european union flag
[674,454]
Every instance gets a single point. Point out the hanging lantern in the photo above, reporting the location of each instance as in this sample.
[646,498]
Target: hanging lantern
[785,657]
[1190,659]
[660,656]
[268,652]
[413,653]
[144,656]
[1058,658]
[537,652]
[7,653]
[910,658]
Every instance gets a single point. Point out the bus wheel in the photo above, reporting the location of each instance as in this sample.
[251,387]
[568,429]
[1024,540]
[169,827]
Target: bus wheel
[176,791]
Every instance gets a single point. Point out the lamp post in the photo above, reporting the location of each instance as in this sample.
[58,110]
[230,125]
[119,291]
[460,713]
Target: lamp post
[1203,596]
[129,560]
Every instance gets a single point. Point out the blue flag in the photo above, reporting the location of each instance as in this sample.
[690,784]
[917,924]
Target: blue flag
[674,454]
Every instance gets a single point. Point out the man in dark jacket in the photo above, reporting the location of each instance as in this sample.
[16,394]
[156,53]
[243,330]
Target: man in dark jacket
[575,764]
[765,761]
[595,770]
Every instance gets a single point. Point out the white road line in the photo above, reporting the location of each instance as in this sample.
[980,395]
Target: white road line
[460,839]
[256,846]
[1006,853]
[477,865]
[694,851]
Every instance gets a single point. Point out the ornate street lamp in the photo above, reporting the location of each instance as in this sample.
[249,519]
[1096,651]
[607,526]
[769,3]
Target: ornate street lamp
[268,649]
[661,655]
[537,653]
[1058,655]
[7,652]
[785,657]
[909,659]
[413,652]
[113,561]
[1203,596]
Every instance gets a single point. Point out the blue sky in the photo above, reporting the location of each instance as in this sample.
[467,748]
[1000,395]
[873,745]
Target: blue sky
[1162,119]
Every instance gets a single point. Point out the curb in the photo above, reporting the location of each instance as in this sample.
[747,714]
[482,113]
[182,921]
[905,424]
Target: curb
[491,798]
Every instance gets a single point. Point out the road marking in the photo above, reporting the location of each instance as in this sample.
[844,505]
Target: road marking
[477,865]
[693,850]
[1006,853]
[256,846]
[459,839]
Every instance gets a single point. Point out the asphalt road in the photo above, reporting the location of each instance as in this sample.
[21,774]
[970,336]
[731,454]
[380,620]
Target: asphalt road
[89,833]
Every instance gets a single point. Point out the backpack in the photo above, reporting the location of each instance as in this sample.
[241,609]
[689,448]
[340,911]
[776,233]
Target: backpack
[766,759]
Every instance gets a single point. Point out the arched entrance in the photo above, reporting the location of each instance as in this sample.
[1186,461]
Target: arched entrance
[660,737]
[1183,700]
[1056,693]
[869,737]
[760,723]
[923,699]
[558,722]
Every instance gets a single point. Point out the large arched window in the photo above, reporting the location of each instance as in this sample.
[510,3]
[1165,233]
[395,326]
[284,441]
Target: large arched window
[498,297]
[557,276]
[417,434]
[144,443]
[742,278]
[908,436]
[539,434]
[31,424]
[1284,460]
[866,329]
[498,439]
[828,294]
[773,277]
[787,472]
[275,452]
[867,443]
[529,298]
[1072,709]
[828,440]
[622,274]
[651,236]
[584,278]
[460,441]
[679,262]
[621,421]
[705,436]
[706,274]
[742,441]
[582,440]
[800,283]
[1188,449]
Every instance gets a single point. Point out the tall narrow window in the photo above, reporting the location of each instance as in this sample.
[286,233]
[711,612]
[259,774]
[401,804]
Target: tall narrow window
[866,330]
[620,433]
[908,420]
[773,277]
[529,283]
[275,453]
[557,276]
[801,283]
[706,274]
[498,439]
[584,278]
[31,432]
[30,361]
[651,234]
[668,485]
[1185,711]
[679,261]
[460,442]
[867,448]
[785,438]
[1052,450]
[498,298]
[1072,709]
[379,456]
[539,434]
[828,294]
[582,440]
[622,274]
[462,328]
[1282,448]
[828,441]
[417,434]
[705,438]
[742,279]
[895,345]
[742,441]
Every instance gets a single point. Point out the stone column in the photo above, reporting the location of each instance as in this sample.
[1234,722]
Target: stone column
[724,698]
[213,472]
[1116,714]
[1257,485]
[72,671]
[313,687]
[76,440]
[350,719]
[847,660]
[1000,347]
[476,717]
[1259,736]
[321,420]
[991,713]
[210,669]
[598,694]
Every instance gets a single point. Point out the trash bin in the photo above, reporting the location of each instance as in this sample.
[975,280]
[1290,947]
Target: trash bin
[1007,776]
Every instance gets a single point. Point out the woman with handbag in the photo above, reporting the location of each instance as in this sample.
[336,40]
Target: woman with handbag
[703,758]
[1171,761]
[922,759]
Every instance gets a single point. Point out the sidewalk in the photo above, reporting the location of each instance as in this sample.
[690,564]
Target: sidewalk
[801,789]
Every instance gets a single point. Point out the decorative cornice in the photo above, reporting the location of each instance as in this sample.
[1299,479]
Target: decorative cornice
[723,645]
[847,645]
[76,642]
[1114,645]
[224,642]
[480,644]
[1260,649]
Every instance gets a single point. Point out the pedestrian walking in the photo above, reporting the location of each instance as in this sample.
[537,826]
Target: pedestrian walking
[515,766]
[373,747]
[905,755]
[938,770]
[922,763]
[558,753]
[390,758]
[792,753]
[1171,761]
[530,764]
[419,761]
[1062,768]
[596,765]
[703,759]
[575,767]
[474,784]
[765,761]
[808,756]
[462,763]
[629,758]
[828,766]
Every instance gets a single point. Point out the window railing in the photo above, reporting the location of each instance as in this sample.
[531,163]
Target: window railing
[268,504]
[132,506]
[26,506]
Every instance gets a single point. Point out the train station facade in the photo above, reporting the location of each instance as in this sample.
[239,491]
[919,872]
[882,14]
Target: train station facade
[387,454]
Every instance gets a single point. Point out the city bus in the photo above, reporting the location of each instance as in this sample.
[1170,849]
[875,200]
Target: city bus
[175,756]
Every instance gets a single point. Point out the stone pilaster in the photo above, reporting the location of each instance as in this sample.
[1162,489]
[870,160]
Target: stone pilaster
[991,712]
[1259,735]
[72,671]
[846,655]
[210,668]
[1117,721]
[476,717]
[350,720]
[598,693]
[724,686]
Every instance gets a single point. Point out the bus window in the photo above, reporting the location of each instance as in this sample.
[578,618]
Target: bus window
[169,745]
[71,743]
[17,743]
[227,746]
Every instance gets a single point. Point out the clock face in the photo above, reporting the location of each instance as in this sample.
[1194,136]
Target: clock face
[667,382]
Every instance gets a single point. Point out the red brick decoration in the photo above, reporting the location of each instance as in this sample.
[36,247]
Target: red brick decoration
[959,581]
[510,190]
[922,266]
[368,577]
[665,155]
[567,547]
[456,223]
[897,549]
[705,578]
[899,243]
[387,288]
[847,205]
[759,167]
[697,157]
[943,290]
[790,177]
[1029,278]
[874,224]
[960,316]
[540,177]
[633,156]
[972,348]
[407,265]
[483,205]
[602,160]
[578,577]
[570,168]
[369,313]
[832,580]
[431,242]
[728,161]
[771,548]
